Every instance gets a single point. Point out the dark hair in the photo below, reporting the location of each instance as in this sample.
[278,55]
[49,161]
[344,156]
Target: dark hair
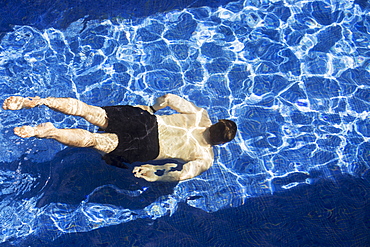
[223,131]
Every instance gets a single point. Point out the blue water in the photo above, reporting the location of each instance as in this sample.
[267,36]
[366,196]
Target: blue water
[294,75]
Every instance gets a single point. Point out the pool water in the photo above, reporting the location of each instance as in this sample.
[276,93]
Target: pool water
[293,75]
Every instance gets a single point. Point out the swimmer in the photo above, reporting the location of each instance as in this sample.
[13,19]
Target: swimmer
[135,134]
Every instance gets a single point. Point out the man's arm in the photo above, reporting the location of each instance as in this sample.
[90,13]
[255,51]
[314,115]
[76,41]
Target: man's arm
[189,170]
[176,103]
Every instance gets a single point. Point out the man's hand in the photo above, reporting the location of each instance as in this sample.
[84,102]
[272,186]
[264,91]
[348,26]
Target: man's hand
[145,108]
[148,172]
[161,102]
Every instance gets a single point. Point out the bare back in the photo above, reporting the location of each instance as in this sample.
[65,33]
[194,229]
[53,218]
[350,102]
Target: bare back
[185,136]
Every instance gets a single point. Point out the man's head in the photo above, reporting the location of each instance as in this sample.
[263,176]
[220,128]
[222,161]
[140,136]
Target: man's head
[223,131]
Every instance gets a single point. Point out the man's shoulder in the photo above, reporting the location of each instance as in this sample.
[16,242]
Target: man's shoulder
[205,117]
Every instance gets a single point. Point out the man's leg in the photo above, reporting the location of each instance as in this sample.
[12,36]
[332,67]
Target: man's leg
[105,142]
[93,114]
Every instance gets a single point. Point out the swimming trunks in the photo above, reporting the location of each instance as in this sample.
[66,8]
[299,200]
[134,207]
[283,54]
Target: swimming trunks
[137,132]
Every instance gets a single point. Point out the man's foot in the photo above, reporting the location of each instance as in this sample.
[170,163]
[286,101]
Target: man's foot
[41,130]
[18,102]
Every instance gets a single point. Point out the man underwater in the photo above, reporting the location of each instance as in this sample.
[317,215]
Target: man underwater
[136,134]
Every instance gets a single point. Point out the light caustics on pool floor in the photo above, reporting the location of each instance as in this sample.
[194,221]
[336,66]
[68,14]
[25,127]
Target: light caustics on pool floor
[292,74]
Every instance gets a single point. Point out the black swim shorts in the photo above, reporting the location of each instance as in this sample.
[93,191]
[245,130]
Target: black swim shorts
[137,132]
